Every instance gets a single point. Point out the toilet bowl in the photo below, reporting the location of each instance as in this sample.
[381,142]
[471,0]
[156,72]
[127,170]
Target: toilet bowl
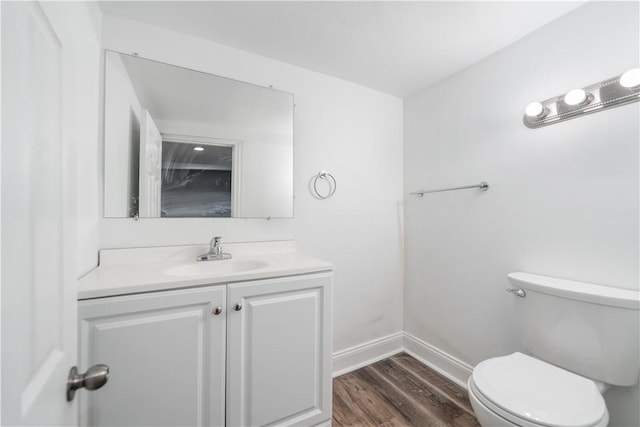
[579,338]
[519,390]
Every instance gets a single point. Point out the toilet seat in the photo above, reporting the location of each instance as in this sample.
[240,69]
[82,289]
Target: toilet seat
[527,391]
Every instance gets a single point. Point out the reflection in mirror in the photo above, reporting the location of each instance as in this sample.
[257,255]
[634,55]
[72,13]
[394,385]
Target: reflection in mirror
[181,143]
[196,180]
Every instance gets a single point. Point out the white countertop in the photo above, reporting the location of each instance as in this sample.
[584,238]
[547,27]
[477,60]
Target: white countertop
[137,270]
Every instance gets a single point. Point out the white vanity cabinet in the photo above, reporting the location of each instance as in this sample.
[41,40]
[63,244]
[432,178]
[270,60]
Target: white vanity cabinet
[265,359]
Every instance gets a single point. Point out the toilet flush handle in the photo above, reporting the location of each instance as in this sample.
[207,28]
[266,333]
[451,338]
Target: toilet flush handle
[517,292]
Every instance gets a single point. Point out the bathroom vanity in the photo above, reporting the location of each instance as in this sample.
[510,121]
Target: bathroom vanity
[239,342]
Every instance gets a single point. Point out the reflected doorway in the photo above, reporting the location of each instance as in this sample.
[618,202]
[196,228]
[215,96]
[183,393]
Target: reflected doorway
[198,178]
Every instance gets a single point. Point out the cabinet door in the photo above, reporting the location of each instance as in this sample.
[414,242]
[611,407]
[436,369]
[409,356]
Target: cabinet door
[279,352]
[166,354]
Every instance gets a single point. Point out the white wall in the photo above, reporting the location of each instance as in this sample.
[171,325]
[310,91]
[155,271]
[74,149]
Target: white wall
[353,132]
[83,73]
[563,199]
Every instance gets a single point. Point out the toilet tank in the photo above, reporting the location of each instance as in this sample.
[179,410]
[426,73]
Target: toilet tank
[589,329]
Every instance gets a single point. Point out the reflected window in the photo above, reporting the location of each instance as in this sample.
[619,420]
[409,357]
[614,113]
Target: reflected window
[196,180]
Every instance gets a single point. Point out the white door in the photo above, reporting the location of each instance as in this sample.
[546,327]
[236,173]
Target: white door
[38,283]
[166,351]
[279,352]
[150,167]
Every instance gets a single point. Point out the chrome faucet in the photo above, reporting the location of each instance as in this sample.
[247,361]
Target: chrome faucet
[215,251]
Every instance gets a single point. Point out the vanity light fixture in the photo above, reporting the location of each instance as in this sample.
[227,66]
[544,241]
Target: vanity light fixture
[198,148]
[609,93]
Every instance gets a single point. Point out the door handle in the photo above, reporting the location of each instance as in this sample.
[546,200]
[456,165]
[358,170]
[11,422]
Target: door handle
[95,377]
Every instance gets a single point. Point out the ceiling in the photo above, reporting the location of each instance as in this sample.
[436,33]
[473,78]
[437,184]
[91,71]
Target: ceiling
[391,46]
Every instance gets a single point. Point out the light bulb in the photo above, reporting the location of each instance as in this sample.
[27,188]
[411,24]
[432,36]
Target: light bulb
[630,79]
[575,97]
[535,110]
[198,149]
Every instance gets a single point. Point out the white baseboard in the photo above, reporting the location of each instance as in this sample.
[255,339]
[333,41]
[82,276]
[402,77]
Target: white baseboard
[447,365]
[364,354]
[367,353]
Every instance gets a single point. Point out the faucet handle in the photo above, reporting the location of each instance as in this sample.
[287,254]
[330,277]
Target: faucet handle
[214,246]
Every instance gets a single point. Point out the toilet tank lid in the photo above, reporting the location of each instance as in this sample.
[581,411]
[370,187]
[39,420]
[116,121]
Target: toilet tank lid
[539,392]
[580,291]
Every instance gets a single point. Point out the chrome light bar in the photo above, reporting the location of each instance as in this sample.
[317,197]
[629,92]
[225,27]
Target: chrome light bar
[609,93]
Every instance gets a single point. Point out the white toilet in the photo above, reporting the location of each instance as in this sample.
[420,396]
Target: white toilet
[581,338]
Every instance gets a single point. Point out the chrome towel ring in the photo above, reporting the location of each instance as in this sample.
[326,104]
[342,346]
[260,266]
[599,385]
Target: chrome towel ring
[323,174]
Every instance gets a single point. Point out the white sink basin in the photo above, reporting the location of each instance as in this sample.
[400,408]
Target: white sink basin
[212,268]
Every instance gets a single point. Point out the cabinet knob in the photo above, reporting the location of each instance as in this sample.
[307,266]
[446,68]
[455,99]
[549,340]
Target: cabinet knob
[237,307]
[216,311]
[95,377]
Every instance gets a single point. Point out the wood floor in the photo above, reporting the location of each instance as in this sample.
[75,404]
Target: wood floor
[399,392]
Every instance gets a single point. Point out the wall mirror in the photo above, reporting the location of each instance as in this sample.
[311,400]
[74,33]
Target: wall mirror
[182,143]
